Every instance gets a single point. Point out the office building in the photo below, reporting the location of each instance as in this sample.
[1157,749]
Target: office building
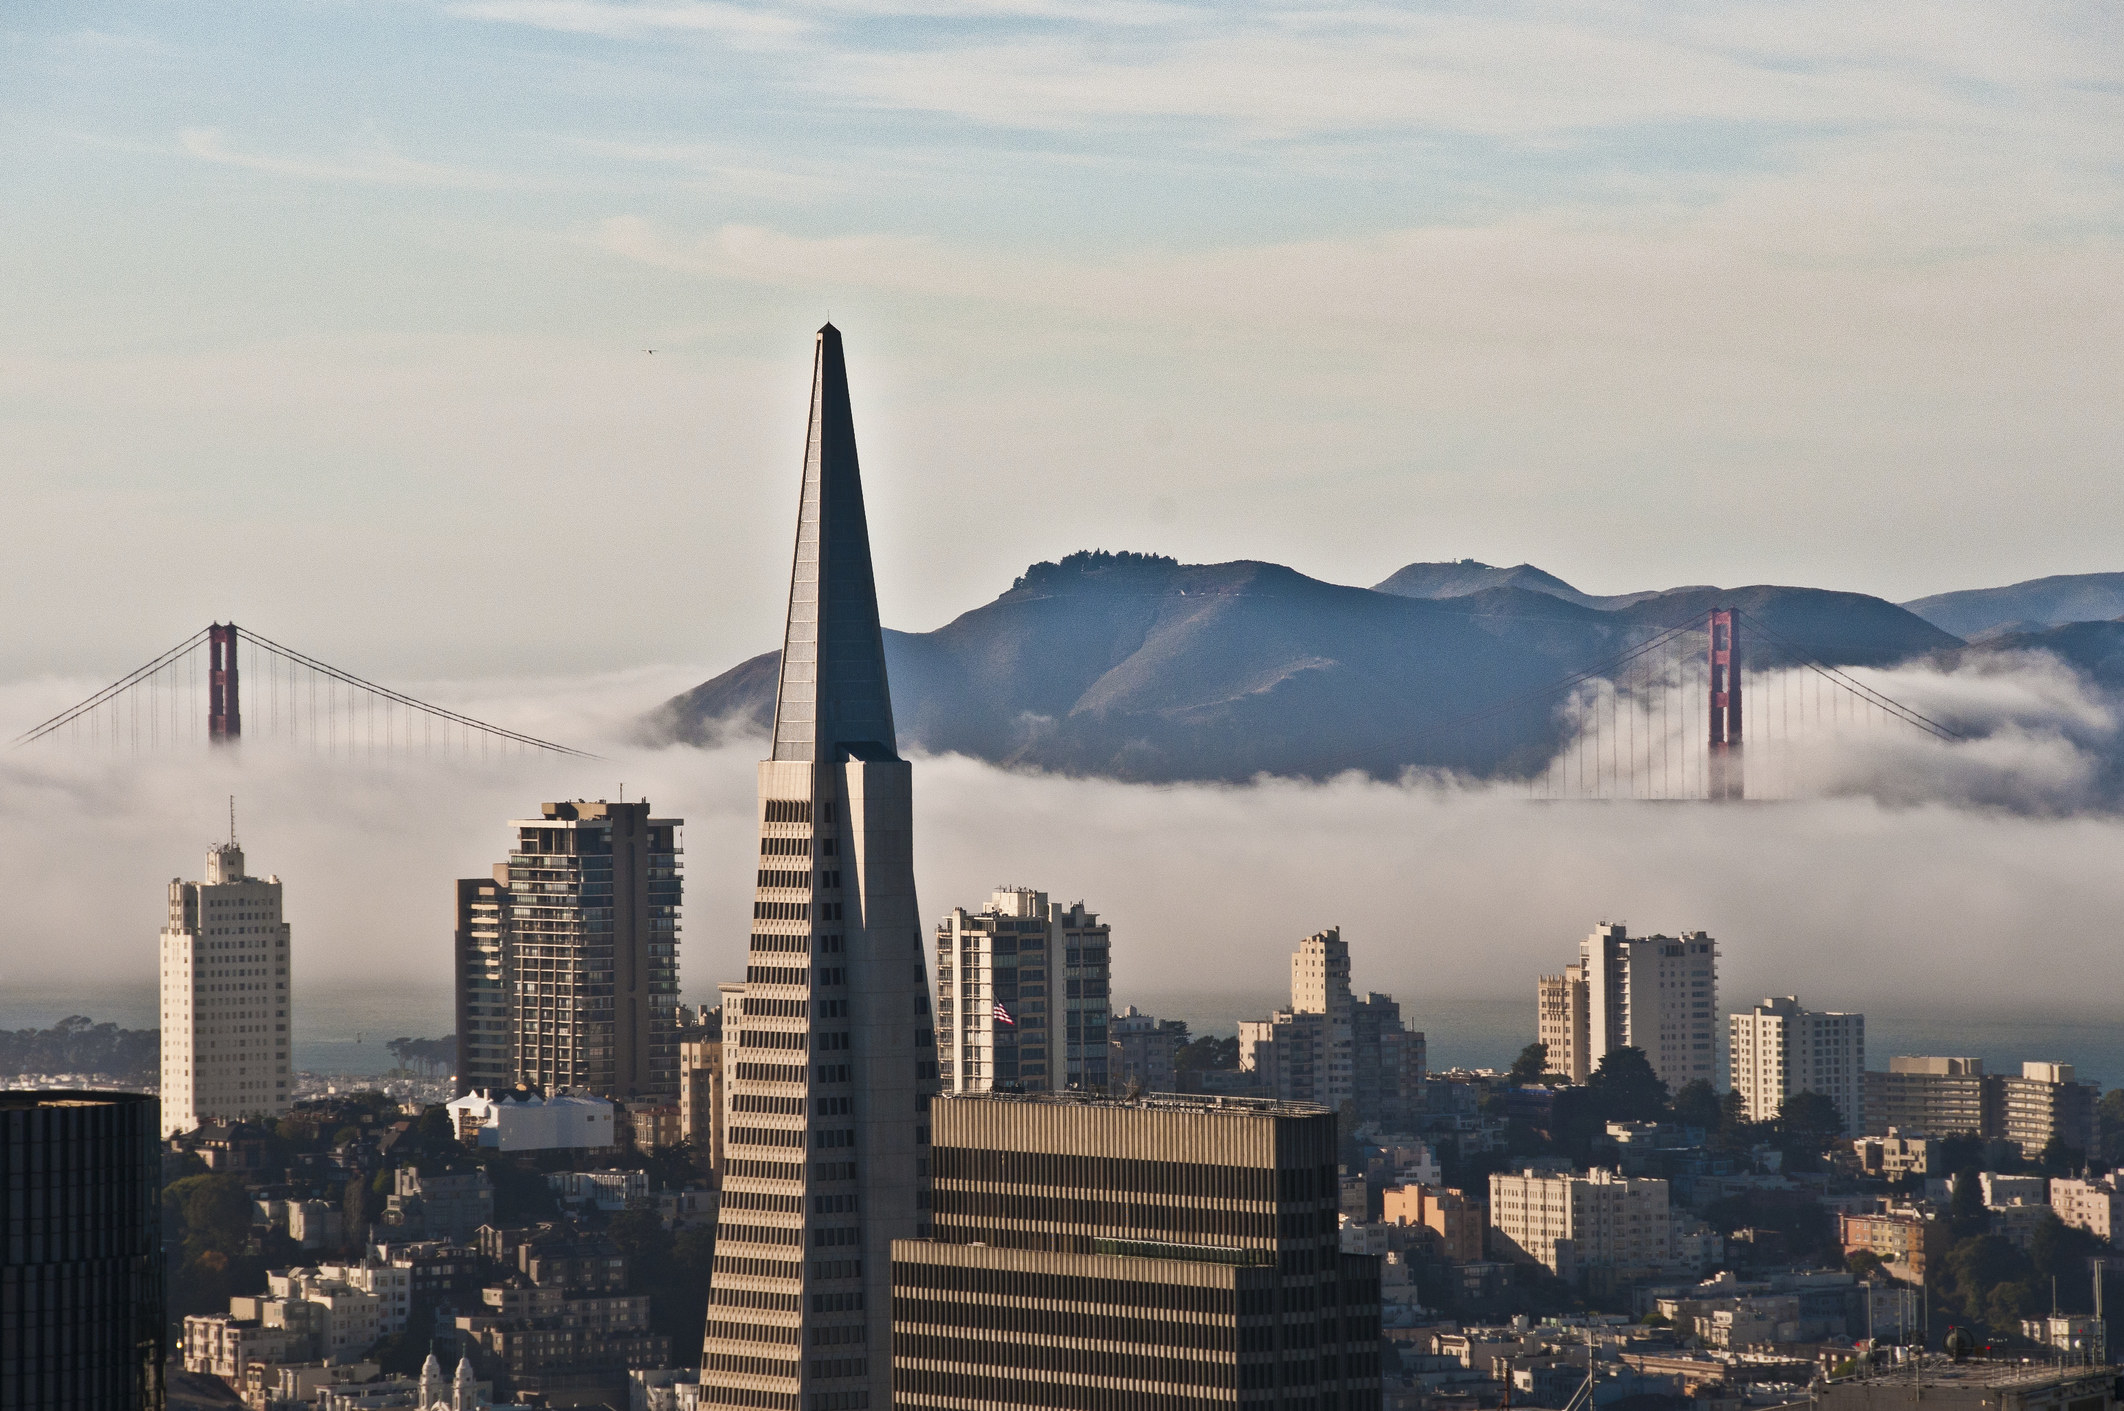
[81,1267]
[225,986]
[583,948]
[1142,1049]
[1940,1097]
[830,1053]
[1577,1224]
[1332,1048]
[1107,1254]
[1561,1026]
[1022,995]
[486,1055]
[1654,993]
[2044,1105]
[1778,1049]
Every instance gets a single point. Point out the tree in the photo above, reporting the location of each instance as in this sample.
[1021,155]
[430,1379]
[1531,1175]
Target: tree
[1529,1068]
[210,1213]
[1207,1052]
[2060,1158]
[402,1354]
[1626,1089]
[1966,1212]
[1696,1105]
[2109,1126]
[1810,1121]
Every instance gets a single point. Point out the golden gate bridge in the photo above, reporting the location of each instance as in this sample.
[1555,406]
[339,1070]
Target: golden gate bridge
[222,684]
[1717,707]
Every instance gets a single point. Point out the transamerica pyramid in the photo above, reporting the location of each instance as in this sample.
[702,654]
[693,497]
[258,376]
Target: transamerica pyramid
[830,1054]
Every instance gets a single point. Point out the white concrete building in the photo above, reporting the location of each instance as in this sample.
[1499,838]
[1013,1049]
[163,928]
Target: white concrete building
[1778,1049]
[1575,1223]
[1655,993]
[224,997]
[526,1120]
[1331,1047]
[2094,1206]
[1022,995]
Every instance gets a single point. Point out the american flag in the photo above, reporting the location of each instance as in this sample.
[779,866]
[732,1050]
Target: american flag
[1003,1015]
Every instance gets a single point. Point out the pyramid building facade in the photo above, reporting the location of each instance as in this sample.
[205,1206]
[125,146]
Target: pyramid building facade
[829,1050]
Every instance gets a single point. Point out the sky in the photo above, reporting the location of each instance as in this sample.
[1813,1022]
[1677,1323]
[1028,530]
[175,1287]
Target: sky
[332,318]
[335,319]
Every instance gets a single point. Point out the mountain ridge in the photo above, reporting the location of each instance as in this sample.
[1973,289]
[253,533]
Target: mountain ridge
[1138,667]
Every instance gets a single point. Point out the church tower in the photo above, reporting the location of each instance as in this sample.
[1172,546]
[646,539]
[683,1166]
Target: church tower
[830,1054]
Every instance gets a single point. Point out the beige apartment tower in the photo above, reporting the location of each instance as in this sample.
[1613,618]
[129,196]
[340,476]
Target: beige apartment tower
[1655,993]
[1561,1023]
[225,987]
[1778,1049]
[829,1054]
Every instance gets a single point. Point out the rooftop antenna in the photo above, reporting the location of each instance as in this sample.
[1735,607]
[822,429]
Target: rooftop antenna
[232,820]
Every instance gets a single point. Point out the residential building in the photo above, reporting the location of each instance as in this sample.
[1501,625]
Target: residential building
[81,1266]
[701,1090]
[1110,1252]
[1913,1239]
[1654,993]
[1895,1154]
[439,1206]
[1941,1097]
[1947,1096]
[1459,1223]
[830,1054]
[568,1348]
[589,949]
[523,1119]
[1574,1224]
[1142,1049]
[225,988]
[2096,1206]
[486,1054]
[1778,1049]
[1332,1048]
[2046,1105]
[1561,1023]
[1022,995]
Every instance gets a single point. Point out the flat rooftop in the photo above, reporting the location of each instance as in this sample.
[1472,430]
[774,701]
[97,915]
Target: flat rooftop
[1171,1102]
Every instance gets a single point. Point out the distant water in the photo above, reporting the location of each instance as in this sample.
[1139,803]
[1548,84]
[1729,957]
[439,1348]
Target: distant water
[345,1030]
[336,1031]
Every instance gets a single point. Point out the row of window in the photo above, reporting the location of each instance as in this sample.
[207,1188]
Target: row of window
[1104,1214]
[1071,1323]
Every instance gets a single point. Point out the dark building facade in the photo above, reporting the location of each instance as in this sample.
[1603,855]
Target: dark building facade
[81,1279]
[485,1056]
[1133,1254]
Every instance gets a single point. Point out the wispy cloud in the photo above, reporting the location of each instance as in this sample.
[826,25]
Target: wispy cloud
[381,167]
[665,19]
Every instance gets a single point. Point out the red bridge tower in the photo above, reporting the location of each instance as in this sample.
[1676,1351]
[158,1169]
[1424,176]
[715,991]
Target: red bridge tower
[1725,776]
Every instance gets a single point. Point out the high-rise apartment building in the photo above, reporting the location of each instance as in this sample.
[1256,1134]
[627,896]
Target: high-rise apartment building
[1561,1002]
[1022,995]
[575,943]
[1108,1254]
[1778,1049]
[830,1052]
[1332,1048]
[486,1055]
[225,987]
[81,1260]
[1655,993]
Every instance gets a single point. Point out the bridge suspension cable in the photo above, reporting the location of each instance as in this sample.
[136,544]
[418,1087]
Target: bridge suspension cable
[164,696]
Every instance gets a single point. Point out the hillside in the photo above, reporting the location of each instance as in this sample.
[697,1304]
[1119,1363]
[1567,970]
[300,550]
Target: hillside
[1141,668]
[2033,605]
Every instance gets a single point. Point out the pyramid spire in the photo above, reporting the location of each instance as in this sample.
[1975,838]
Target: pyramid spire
[832,702]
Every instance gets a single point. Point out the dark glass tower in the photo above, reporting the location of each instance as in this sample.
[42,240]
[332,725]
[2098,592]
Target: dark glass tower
[829,1055]
[81,1301]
